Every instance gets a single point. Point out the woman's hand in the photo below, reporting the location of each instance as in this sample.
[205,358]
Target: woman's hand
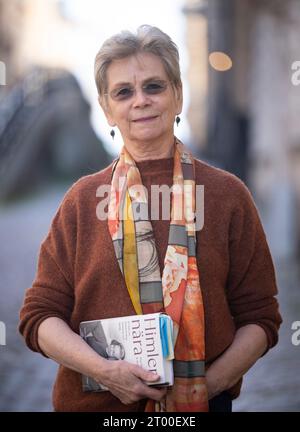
[126,381]
[214,384]
[249,344]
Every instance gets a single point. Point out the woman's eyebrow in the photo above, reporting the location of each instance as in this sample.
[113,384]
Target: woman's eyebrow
[121,84]
[154,78]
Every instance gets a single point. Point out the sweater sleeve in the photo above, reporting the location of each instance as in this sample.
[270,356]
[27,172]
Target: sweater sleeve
[52,294]
[251,283]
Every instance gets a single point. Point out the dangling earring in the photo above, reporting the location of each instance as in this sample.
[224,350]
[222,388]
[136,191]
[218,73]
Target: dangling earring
[177,120]
[112,133]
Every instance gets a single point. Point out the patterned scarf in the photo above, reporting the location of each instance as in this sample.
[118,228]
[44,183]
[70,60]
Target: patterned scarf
[178,292]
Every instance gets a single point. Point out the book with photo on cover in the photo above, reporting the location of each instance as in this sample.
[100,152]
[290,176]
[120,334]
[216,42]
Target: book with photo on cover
[145,340]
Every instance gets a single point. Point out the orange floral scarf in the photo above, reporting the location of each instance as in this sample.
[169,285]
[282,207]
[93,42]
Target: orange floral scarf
[178,291]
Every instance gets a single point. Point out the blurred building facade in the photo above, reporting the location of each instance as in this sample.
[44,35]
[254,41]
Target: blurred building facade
[245,120]
[45,130]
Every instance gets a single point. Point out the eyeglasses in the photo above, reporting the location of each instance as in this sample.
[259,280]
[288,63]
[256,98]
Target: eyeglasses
[127,91]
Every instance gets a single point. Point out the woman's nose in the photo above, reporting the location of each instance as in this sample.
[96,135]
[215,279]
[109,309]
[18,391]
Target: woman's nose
[140,98]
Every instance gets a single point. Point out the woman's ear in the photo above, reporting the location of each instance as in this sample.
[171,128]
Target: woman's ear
[106,109]
[178,98]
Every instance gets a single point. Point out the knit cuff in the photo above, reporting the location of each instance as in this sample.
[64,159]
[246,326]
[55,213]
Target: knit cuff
[272,336]
[31,335]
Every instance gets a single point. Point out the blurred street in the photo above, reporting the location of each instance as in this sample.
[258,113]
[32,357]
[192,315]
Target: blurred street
[26,378]
[274,381]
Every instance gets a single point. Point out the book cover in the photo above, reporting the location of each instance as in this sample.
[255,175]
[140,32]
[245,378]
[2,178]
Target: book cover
[145,340]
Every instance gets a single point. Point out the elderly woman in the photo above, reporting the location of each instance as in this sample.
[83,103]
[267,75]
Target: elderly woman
[109,255]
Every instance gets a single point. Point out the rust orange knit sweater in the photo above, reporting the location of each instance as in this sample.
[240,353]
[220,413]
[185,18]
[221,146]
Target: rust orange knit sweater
[78,277]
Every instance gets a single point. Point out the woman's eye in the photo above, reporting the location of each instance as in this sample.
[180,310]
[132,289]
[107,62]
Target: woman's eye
[154,88]
[123,93]
[127,92]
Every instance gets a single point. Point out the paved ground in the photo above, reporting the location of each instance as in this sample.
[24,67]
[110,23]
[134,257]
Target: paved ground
[26,378]
[273,384]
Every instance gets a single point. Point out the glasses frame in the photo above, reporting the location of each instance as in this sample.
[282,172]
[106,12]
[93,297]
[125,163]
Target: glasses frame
[151,92]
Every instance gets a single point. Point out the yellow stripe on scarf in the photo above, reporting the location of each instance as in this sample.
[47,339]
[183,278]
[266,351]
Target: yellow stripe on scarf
[130,257]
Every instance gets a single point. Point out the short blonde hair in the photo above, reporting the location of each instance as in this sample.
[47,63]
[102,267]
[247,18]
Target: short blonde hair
[148,39]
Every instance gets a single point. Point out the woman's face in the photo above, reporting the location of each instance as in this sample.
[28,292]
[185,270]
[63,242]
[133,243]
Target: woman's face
[140,99]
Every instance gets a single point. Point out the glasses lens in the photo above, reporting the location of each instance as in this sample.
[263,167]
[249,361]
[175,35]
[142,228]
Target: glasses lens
[122,93]
[155,87]
[151,88]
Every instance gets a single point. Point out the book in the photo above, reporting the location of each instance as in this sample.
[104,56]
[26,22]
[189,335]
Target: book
[145,340]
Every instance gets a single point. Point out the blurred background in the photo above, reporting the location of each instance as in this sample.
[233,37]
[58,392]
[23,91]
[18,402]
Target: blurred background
[241,113]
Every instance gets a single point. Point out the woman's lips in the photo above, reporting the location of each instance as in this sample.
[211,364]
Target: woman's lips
[144,119]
